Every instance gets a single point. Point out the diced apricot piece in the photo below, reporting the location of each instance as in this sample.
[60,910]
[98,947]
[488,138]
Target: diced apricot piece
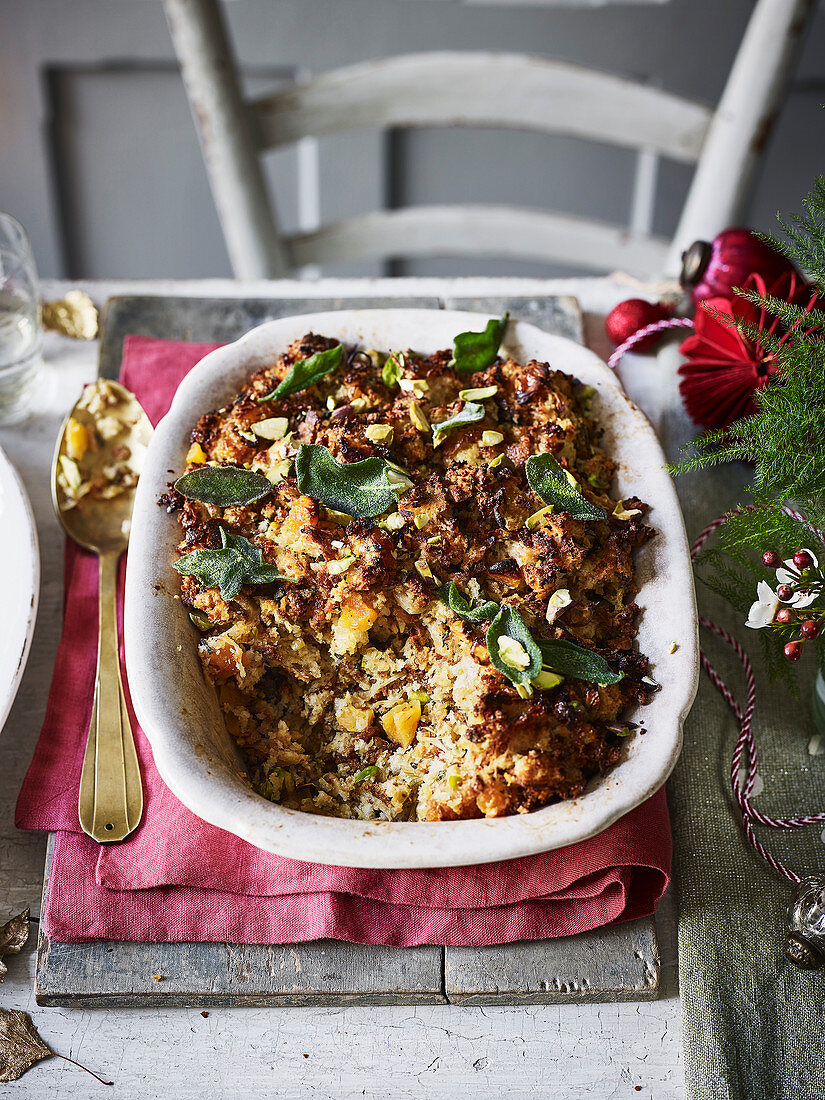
[196,453]
[77,439]
[401,722]
[224,659]
[356,614]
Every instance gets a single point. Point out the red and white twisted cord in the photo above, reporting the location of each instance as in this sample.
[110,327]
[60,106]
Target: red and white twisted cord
[746,742]
[648,330]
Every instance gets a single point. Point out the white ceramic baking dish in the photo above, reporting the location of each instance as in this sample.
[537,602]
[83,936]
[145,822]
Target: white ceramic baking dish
[179,711]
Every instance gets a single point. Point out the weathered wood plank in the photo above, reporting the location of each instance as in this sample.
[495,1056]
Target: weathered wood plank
[213,320]
[620,963]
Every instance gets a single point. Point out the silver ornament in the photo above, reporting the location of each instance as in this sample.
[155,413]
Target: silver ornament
[805,944]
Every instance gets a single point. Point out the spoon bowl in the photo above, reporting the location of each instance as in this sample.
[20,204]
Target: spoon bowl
[100,519]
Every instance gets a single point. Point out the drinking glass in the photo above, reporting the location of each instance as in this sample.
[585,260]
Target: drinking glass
[20,332]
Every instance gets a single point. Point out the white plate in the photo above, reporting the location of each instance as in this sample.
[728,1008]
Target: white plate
[179,711]
[20,566]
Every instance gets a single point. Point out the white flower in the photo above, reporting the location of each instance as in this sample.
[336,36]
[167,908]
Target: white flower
[802,599]
[763,610]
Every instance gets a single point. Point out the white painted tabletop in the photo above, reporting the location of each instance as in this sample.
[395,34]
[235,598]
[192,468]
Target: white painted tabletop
[595,1051]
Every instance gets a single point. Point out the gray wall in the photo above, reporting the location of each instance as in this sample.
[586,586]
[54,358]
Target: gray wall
[99,160]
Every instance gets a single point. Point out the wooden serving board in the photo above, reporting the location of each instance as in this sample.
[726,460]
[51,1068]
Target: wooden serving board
[620,963]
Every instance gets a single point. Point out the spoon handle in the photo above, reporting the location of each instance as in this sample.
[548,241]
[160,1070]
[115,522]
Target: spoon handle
[111,795]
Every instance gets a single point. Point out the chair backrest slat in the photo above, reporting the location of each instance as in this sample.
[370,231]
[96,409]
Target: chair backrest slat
[473,88]
[484,89]
[485,230]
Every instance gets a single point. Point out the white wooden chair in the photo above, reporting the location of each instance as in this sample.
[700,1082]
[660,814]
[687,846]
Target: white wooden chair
[489,89]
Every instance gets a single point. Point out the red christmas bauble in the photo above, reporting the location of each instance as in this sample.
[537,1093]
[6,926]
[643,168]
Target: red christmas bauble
[631,315]
[713,269]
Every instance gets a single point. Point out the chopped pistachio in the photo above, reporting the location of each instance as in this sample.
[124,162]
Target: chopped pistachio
[398,479]
[418,418]
[380,433]
[673,647]
[201,621]
[279,471]
[340,565]
[524,690]
[275,427]
[420,696]
[420,520]
[452,782]
[358,404]
[434,539]
[250,437]
[330,402]
[534,521]
[416,386]
[491,439]
[546,680]
[338,517]
[513,653]
[595,481]
[497,461]
[395,521]
[620,512]
[560,598]
[423,570]
[478,394]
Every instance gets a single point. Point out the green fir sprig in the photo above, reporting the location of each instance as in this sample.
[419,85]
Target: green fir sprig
[784,439]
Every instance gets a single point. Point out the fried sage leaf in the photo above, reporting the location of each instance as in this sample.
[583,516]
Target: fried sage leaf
[359,489]
[573,660]
[555,486]
[474,351]
[452,596]
[306,372]
[511,647]
[237,563]
[470,413]
[224,486]
[13,936]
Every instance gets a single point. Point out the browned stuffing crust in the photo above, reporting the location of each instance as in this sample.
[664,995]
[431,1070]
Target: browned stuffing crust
[315,677]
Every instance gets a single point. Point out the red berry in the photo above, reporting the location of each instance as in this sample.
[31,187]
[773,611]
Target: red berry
[793,651]
[629,316]
[784,615]
[810,629]
[771,559]
[802,559]
[784,592]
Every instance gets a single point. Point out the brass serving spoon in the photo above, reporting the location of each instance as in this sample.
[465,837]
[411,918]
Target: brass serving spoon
[97,461]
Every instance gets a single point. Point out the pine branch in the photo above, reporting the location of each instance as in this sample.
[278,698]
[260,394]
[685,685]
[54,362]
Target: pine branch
[805,234]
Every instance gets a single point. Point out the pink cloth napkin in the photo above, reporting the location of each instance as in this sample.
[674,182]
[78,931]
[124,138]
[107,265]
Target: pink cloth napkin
[178,878]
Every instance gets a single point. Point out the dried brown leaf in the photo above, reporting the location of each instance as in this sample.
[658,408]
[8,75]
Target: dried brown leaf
[20,1045]
[13,936]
